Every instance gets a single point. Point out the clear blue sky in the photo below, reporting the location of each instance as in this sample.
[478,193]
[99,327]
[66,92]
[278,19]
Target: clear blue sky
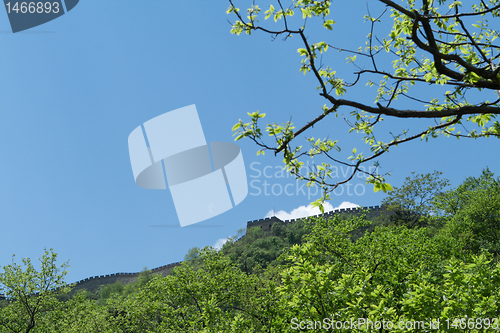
[73,89]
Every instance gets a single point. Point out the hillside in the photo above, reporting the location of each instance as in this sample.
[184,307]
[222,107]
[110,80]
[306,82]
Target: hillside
[92,284]
[263,242]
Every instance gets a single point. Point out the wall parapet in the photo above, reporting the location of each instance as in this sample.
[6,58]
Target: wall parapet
[130,275]
[266,223]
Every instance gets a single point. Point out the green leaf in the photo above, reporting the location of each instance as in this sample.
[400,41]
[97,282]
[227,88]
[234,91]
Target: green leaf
[302,51]
[328,24]
[235,127]
[386,187]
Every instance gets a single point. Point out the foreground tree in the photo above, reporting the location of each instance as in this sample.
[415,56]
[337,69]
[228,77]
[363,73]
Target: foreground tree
[412,203]
[472,211]
[394,274]
[31,294]
[76,315]
[217,297]
[439,57]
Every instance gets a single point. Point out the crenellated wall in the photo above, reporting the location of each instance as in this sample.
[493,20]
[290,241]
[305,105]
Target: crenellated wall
[266,224]
[91,284]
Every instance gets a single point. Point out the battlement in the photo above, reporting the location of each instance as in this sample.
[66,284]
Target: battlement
[267,223]
[91,284]
[154,270]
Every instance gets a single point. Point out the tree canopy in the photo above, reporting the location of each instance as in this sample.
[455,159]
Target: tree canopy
[31,294]
[439,57]
[412,203]
[308,275]
[473,212]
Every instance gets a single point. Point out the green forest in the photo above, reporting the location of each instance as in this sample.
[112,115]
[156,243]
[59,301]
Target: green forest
[428,264]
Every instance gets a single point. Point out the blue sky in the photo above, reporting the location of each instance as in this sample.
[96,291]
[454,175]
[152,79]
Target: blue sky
[73,89]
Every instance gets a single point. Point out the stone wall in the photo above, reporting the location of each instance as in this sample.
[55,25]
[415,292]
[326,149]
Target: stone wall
[91,284]
[267,223]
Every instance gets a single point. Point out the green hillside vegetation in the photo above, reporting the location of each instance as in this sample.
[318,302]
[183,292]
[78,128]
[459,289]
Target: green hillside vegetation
[431,258]
[259,249]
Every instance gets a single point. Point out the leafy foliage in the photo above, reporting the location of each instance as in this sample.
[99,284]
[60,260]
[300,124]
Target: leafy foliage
[314,273]
[438,62]
[412,203]
[259,249]
[473,213]
[31,293]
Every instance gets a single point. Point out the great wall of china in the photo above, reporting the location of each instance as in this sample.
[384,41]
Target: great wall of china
[266,223]
[91,284]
